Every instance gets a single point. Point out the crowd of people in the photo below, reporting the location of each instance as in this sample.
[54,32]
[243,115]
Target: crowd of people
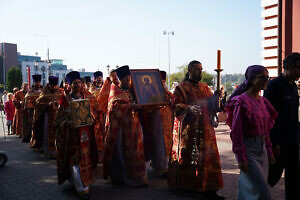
[177,138]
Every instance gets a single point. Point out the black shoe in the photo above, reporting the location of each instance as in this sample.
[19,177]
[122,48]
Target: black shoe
[165,175]
[213,195]
[84,195]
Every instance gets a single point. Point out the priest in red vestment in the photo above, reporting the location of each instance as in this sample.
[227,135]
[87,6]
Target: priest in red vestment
[124,158]
[18,100]
[29,103]
[195,162]
[76,146]
[43,136]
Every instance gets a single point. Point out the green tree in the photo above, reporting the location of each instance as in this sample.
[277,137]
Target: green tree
[207,78]
[178,76]
[229,88]
[1,87]
[14,78]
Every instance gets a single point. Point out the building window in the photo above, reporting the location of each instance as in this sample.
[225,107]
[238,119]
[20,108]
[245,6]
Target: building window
[57,74]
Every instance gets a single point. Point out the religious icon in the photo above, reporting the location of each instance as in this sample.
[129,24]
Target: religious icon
[30,100]
[148,87]
[81,113]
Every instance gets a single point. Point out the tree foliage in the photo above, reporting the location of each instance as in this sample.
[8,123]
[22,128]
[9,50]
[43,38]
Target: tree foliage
[1,87]
[231,80]
[207,78]
[14,78]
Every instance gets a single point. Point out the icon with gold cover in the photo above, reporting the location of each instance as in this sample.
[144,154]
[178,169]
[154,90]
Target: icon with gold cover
[81,113]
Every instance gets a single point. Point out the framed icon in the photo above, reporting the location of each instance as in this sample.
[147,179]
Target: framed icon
[81,113]
[148,87]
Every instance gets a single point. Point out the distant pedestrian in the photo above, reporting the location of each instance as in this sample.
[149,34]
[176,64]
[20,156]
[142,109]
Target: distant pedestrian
[250,117]
[15,90]
[4,97]
[14,123]
[9,112]
[18,100]
[282,92]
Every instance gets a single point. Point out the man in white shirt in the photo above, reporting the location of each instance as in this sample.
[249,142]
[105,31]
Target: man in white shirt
[4,99]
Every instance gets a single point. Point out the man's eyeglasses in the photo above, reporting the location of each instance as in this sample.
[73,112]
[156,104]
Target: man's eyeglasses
[263,78]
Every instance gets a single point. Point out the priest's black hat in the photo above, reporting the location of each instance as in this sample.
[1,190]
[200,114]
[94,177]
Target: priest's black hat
[97,74]
[71,76]
[123,71]
[53,80]
[36,78]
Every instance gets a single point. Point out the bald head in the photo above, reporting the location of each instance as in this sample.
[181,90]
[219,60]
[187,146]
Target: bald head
[25,86]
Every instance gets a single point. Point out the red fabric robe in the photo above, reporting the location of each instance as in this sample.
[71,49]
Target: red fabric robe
[167,117]
[18,100]
[29,103]
[206,174]
[74,146]
[42,106]
[122,118]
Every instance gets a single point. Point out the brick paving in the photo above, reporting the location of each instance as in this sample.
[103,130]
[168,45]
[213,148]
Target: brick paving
[28,175]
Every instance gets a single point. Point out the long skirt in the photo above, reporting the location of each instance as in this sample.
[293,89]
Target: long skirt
[118,170]
[253,184]
[46,136]
[159,158]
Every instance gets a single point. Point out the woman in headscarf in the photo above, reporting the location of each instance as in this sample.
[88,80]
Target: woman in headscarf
[250,117]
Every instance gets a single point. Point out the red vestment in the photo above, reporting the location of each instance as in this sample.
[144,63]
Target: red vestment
[75,146]
[99,101]
[41,107]
[28,113]
[122,118]
[167,118]
[195,162]
[18,100]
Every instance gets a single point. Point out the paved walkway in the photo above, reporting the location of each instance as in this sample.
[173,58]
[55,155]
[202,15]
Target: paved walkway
[28,175]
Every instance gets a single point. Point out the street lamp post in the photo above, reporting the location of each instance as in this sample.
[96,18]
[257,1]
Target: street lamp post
[36,66]
[28,74]
[43,69]
[169,33]
[43,36]
[108,69]
[49,68]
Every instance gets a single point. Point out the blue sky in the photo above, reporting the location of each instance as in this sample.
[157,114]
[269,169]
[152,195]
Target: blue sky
[91,34]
